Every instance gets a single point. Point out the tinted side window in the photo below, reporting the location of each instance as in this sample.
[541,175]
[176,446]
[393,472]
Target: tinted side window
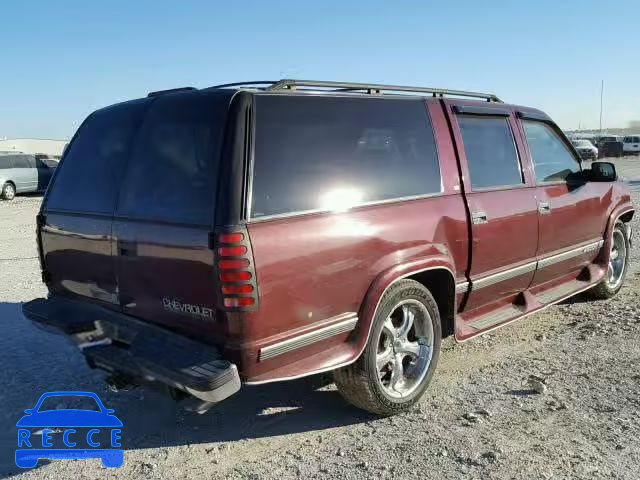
[5,162]
[552,160]
[491,151]
[328,153]
[90,173]
[172,172]
[23,161]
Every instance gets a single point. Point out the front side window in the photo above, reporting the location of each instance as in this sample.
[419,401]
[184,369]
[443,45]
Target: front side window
[491,152]
[552,160]
[332,153]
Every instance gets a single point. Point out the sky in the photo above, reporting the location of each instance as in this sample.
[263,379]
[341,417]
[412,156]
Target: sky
[62,60]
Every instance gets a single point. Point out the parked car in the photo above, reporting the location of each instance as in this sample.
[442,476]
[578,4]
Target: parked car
[586,149]
[631,145]
[254,233]
[22,173]
[610,148]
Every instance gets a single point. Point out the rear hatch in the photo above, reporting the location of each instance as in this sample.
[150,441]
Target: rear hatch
[152,235]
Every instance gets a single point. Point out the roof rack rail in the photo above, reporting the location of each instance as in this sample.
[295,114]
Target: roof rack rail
[171,90]
[256,83]
[378,89]
[370,88]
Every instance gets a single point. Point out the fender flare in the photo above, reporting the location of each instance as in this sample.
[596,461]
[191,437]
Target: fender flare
[383,282]
[613,219]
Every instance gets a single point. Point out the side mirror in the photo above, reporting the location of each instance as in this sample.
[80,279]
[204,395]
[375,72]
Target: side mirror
[602,172]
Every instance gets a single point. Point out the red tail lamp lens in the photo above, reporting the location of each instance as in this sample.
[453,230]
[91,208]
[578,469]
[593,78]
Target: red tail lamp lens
[235,276]
[239,302]
[231,237]
[236,289]
[232,264]
[232,251]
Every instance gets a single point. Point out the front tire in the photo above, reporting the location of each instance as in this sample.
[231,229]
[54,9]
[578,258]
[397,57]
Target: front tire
[8,191]
[401,354]
[618,264]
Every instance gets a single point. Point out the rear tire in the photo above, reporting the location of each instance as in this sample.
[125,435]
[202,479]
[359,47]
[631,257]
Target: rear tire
[618,265]
[401,354]
[8,191]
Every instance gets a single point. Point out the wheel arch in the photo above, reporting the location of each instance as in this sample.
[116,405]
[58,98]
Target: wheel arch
[436,274]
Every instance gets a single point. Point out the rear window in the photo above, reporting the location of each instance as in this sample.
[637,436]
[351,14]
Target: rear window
[90,173]
[332,153]
[171,175]
[151,159]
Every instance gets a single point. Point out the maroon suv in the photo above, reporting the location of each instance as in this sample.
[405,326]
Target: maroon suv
[258,232]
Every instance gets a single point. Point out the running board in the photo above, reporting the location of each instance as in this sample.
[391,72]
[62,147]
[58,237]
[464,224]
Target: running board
[496,317]
[527,304]
[550,296]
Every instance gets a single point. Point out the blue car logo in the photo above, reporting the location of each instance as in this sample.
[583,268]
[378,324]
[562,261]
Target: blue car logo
[92,432]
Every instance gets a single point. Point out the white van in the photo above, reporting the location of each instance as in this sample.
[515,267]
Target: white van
[631,145]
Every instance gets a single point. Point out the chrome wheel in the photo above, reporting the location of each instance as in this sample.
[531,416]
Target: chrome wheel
[405,348]
[617,259]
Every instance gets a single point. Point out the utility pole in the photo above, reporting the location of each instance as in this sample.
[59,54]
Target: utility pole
[601,95]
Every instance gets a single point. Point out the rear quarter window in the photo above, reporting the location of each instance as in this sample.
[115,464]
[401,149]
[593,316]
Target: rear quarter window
[331,153]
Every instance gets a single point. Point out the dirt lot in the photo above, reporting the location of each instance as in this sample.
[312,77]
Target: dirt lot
[479,419]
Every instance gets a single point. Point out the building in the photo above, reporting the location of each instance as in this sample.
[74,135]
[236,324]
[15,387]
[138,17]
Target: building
[52,148]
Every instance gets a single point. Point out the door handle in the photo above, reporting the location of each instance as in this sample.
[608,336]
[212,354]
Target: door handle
[127,249]
[544,207]
[478,217]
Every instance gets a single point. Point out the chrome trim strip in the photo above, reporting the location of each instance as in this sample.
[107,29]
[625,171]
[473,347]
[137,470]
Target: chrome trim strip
[505,275]
[574,252]
[462,287]
[299,213]
[309,338]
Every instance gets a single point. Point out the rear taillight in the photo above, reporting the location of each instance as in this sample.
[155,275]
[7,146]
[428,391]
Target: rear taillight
[236,272]
[235,276]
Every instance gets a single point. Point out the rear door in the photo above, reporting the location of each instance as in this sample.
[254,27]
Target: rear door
[501,200]
[165,212]
[76,220]
[572,213]
[24,173]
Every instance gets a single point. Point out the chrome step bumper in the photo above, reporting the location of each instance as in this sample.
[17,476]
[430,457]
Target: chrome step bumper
[121,344]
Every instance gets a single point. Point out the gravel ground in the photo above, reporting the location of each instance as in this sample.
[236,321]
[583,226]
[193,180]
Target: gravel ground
[481,418]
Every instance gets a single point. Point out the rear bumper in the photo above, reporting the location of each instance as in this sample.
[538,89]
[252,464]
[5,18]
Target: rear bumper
[123,345]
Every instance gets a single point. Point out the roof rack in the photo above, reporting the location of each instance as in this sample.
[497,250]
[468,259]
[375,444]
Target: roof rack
[170,90]
[368,88]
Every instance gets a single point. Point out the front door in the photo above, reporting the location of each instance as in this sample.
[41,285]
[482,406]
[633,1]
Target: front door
[501,200]
[572,213]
